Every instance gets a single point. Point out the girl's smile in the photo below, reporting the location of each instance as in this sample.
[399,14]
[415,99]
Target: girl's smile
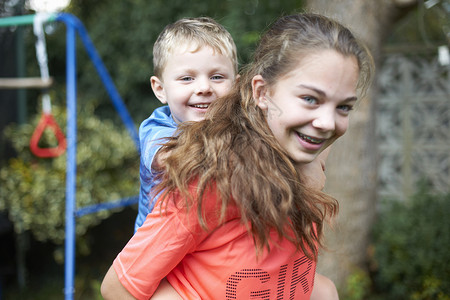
[308,108]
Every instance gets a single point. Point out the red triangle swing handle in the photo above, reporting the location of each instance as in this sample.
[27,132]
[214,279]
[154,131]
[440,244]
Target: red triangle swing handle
[47,120]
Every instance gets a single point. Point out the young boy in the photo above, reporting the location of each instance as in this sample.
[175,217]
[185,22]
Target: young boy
[195,62]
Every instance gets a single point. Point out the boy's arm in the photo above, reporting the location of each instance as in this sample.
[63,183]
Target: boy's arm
[152,133]
[111,287]
[165,291]
[324,289]
[314,172]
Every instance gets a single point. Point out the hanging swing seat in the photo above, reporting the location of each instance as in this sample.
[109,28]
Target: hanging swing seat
[26,83]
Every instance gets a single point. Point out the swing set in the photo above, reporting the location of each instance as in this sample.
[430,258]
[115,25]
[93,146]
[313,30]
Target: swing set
[73,26]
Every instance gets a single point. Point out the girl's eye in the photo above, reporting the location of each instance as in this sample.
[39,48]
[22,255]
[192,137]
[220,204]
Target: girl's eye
[309,99]
[345,108]
[186,78]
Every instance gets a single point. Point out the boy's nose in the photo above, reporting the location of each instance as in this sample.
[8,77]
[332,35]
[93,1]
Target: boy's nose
[203,86]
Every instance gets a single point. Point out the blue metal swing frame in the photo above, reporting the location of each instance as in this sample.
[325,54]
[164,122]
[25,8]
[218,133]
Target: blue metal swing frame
[75,26]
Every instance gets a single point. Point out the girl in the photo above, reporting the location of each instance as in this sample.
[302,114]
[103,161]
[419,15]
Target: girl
[236,220]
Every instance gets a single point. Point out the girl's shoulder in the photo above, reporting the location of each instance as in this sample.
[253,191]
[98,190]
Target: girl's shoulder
[204,214]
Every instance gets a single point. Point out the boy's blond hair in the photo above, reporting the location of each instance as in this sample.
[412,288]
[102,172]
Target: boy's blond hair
[202,31]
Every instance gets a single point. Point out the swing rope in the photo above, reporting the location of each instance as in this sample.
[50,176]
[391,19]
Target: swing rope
[46,120]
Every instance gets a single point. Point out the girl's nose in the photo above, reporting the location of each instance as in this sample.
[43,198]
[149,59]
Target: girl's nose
[325,120]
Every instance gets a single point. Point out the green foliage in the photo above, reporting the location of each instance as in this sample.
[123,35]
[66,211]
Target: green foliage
[357,286]
[123,33]
[412,242]
[32,190]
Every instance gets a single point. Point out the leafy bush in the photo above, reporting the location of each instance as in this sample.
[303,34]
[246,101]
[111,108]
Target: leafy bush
[357,286]
[32,190]
[124,41]
[412,242]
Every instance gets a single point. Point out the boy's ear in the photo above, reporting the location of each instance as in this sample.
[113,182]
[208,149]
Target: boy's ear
[158,89]
[259,90]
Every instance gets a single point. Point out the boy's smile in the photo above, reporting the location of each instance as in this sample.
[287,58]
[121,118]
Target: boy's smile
[191,80]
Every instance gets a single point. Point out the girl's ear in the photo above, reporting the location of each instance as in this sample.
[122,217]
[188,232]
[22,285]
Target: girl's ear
[259,90]
[158,89]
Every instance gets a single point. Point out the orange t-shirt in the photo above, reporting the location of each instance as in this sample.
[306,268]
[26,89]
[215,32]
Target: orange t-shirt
[218,263]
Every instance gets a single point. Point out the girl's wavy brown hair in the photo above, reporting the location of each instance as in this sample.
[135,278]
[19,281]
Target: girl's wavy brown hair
[234,151]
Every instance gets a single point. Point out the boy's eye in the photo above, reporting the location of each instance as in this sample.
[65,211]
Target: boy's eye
[186,78]
[217,77]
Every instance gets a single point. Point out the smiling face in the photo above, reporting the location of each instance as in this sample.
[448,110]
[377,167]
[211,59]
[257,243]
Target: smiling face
[308,108]
[191,80]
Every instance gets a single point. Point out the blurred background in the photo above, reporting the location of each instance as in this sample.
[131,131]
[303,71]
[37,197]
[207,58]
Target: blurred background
[390,172]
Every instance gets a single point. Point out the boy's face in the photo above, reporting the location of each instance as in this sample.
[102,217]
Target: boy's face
[192,80]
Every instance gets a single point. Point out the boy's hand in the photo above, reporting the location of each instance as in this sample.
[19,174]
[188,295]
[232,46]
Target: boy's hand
[159,159]
[314,172]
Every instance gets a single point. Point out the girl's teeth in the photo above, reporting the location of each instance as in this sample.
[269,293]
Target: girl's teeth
[310,139]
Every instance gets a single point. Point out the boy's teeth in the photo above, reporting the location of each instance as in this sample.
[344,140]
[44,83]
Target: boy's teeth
[310,139]
[201,105]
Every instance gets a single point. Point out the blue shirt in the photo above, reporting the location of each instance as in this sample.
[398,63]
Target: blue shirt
[152,132]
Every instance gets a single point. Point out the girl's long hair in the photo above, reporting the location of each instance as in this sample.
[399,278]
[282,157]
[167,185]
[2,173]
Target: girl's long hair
[249,169]
[234,151]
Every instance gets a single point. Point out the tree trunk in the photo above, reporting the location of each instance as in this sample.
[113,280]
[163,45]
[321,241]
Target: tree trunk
[352,165]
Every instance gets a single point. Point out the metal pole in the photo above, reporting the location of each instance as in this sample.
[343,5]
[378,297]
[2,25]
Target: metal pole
[21,70]
[71,163]
[74,25]
[21,119]
[104,75]
[22,20]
